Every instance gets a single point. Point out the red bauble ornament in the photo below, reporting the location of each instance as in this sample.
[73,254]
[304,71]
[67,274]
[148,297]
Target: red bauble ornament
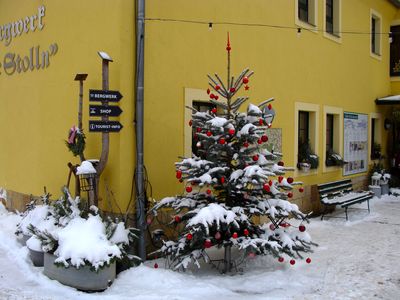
[308,260]
[208,191]
[245,144]
[290,179]
[179,174]
[245,80]
[281,163]
[255,157]
[269,106]
[231,131]
[281,259]
[280,178]
[198,129]
[209,133]
[264,138]
[212,96]
[222,141]
[235,235]
[189,189]
[216,97]
[266,188]
[246,87]
[302,228]
[149,220]
[259,141]
[217,87]
[252,255]
[207,244]
[228,48]
[246,232]
[189,236]
[301,190]
[156,266]
[232,90]
[177,219]
[217,236]
[190,123]
[214,110]
[261,122]
[208,91]
[270,183]
[222,180]
[272,227]
[290,195]
[292,262]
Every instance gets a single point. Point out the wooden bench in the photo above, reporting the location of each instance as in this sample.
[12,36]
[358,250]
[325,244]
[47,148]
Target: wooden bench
[341,193]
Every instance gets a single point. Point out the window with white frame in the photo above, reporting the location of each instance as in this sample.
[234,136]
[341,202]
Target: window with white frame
[307,11]
[376,36]
[332,17]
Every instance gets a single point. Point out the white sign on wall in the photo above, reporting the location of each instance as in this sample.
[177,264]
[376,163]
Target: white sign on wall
[355,143]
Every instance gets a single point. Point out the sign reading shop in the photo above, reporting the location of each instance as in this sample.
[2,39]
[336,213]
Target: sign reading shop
[35,57]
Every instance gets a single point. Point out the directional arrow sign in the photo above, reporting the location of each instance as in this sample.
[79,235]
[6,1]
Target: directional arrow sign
[99,95]
[101,110]
[105,126]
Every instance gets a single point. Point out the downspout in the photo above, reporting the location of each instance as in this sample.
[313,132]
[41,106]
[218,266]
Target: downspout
[139,172]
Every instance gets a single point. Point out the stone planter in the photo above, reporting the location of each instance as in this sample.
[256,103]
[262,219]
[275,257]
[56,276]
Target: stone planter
[22,240]
[83,278]
[37,257]
[385,188]
[376,189]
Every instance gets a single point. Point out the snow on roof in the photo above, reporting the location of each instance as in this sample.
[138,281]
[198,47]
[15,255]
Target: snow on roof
[395,99]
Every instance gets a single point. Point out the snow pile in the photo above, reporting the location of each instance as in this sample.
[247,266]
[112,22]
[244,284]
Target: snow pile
[86,167]
[34,243]
[3,194]
[120,234]
[85,240]
[34,217]
[3,210]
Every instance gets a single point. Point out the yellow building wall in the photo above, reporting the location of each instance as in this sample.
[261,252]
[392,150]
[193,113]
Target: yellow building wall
[309,68]
[39,106]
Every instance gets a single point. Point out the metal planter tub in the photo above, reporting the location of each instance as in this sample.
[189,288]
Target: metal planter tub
[83,278]
[37,257]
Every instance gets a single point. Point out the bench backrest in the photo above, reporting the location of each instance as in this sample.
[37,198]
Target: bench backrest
[331,189]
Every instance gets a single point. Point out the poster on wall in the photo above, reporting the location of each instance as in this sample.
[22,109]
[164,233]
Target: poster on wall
[355,143]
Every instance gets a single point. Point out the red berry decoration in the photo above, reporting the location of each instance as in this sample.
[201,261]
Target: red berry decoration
[208,191]
[222,180]
[255,157]
[246,87]
[232,90]
[189,236]
[266,188]
[212,96]
[207,244]
[209,133]
[177,219]
[217,87]
[289,180]
[259,141]
[198,129]
[261,122]
[292,262]
[245,80]
[269,106]
[217,236]
[281,163]
[189,189]
[156,266]
[270,183]
[281,259]
[214,110]
[280,178]
[302,228]
[246,232]
[264,138]
[245,144]
[301,190]
[190,123]
[272,227]
[222,141]
[308,260]
[179,174]
[235,235]
[231,131]
[208,91]
[216,97]
[290,195]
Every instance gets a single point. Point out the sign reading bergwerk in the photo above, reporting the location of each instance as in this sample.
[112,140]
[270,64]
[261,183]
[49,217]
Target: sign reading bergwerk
[99,95]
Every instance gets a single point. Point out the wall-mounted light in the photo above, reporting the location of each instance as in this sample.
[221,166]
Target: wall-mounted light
[298,32]
[210,25]
[387,124]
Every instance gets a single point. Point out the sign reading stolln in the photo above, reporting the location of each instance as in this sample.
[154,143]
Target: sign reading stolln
[100,95]
[105,126]
[104,110]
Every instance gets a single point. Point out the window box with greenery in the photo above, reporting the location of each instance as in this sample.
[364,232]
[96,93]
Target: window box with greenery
[334,159]
[306,158]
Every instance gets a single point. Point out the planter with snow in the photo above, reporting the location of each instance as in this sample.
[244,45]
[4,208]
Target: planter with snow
[35,251]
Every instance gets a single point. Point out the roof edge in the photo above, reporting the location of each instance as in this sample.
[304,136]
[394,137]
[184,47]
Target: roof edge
[395,3]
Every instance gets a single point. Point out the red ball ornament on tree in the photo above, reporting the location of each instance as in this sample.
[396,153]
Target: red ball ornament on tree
[290,179]
[214,110]
[281,163]
[156,266]
[245,144]
[189,189]
[198,129]
[280,178]
[222,141]
[281,259]
[217,236]
[216,97]
[217,87]
[231,131]
[259,141]
[207,244]
[272,227]
[308,260]
[255,157]
[208,91]
[246,232]
[292,262]
[222,180]
[232,90]
[270,183]
[177,219]
[212,96]
[260,122]
[209,133]
[266,188]
[290,195]
[245,80]
[189,236]
[190,123]
[208,192]
[235,235]
[179,174]
[269,106]
[302,228]
[264,138]
[301,190]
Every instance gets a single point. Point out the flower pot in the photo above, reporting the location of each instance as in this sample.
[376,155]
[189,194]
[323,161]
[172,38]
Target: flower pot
[37,257]
[376,189]
[305,167]
[384,188]
[83,278]
[23,238]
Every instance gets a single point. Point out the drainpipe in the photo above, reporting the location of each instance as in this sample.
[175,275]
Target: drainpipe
[140,196]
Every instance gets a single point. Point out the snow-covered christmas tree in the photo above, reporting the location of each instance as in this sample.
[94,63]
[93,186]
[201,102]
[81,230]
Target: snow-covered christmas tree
[231,179]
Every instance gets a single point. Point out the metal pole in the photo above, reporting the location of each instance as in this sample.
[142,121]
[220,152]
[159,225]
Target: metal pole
[81,78]
[140,197]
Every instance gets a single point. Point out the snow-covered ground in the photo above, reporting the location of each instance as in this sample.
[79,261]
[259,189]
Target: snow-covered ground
[358,259]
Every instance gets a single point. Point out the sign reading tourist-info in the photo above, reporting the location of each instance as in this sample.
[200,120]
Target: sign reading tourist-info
[355,143]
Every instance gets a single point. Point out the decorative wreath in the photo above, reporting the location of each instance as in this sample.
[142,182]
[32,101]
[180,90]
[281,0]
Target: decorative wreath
[76,141]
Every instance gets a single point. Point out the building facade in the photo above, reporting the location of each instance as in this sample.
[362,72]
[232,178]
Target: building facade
[324,61]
